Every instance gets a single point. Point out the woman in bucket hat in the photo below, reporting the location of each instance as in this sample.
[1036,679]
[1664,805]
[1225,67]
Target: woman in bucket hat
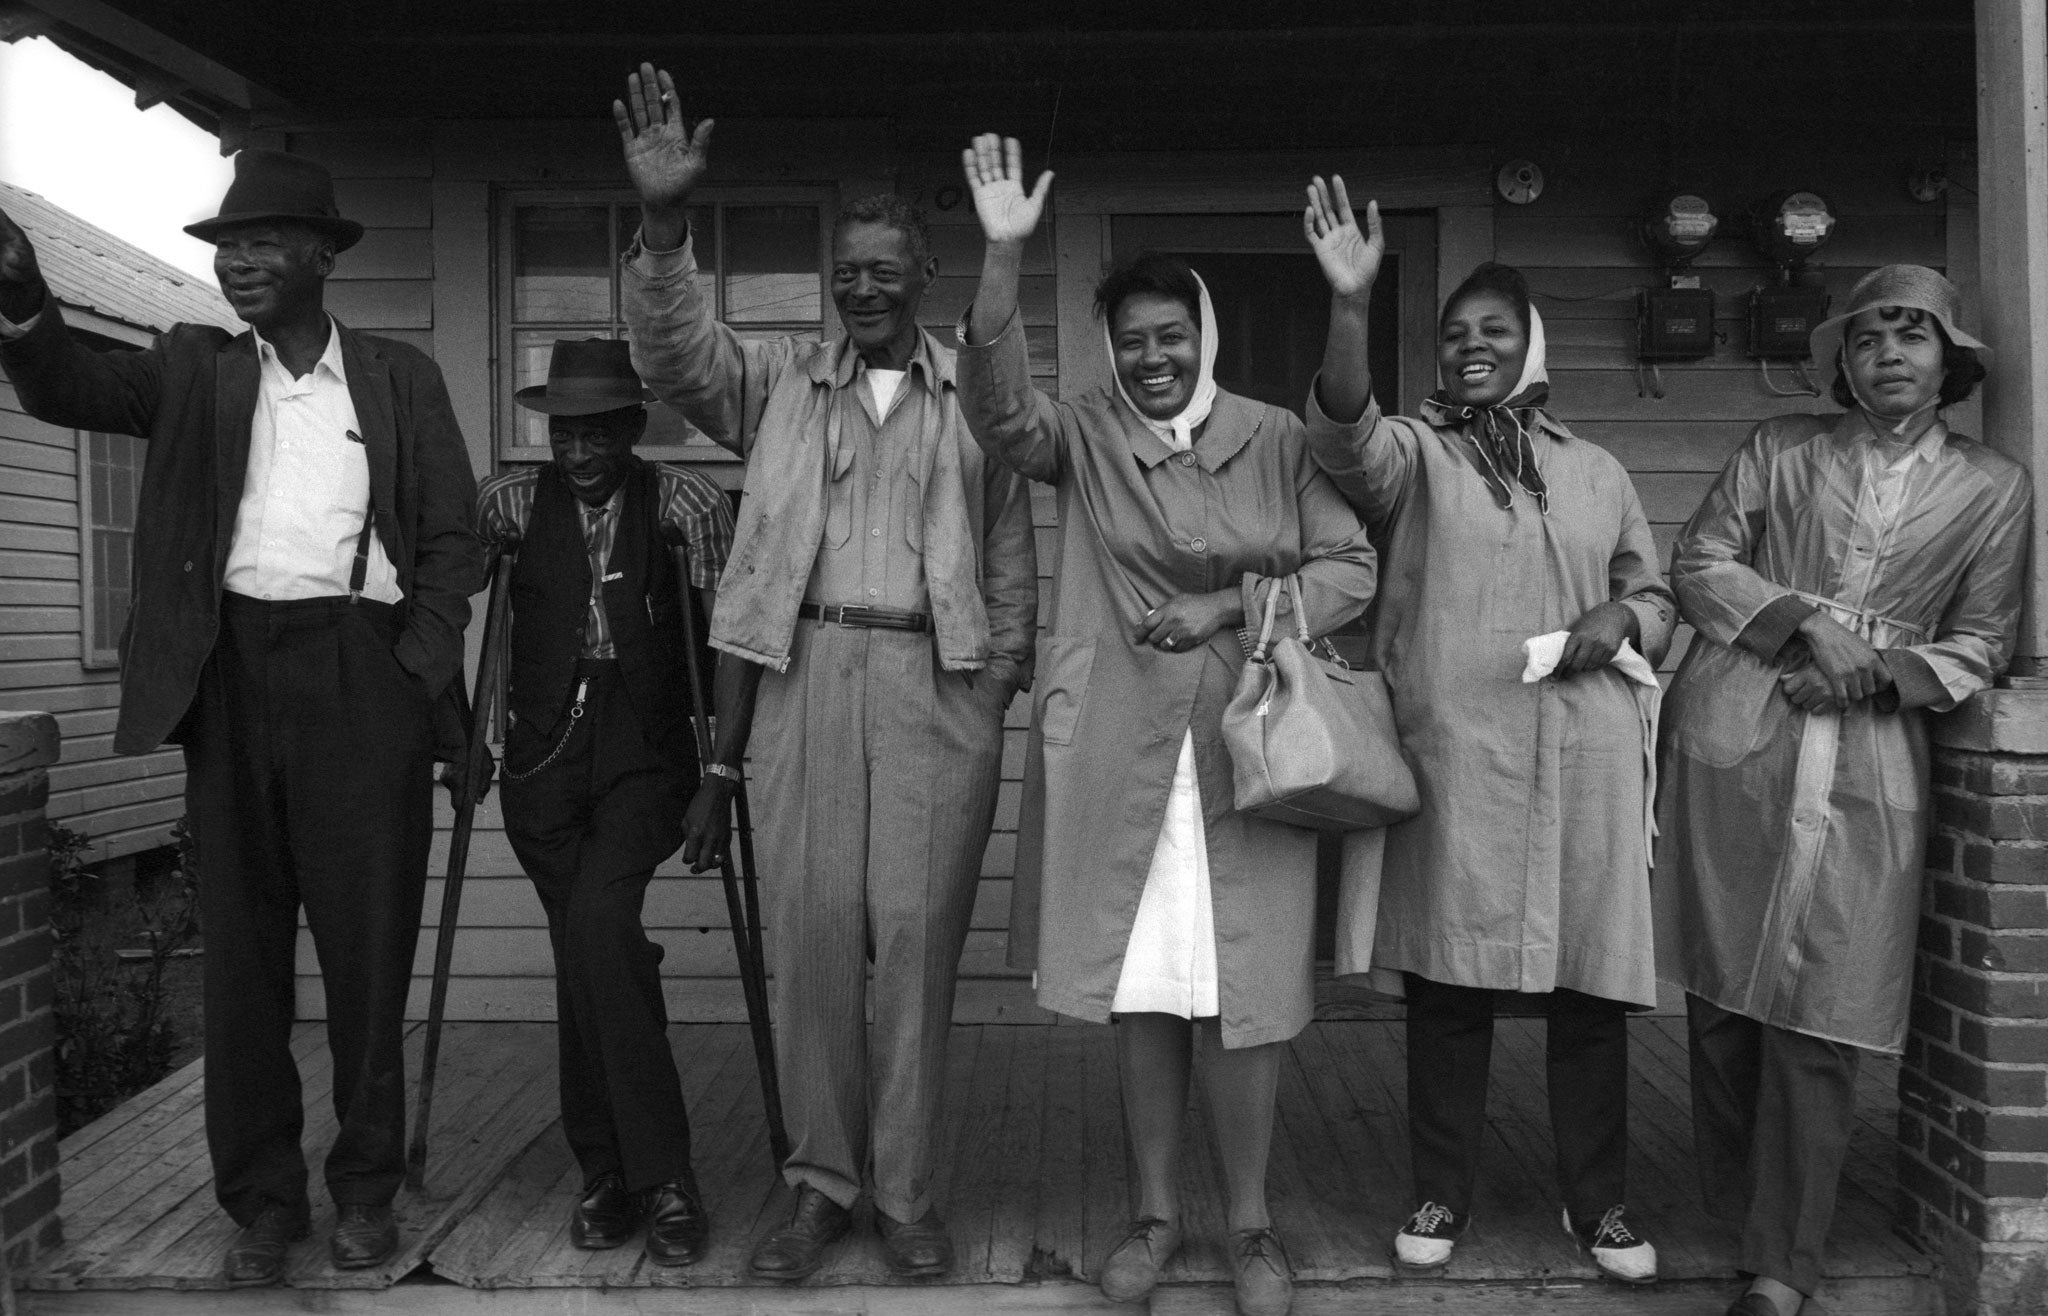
[1845,573]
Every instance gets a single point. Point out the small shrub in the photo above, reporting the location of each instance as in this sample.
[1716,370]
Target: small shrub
[113,1036]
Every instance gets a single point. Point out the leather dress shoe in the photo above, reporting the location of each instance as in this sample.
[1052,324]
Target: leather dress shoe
[364,1236]
[1133,1265]
[920,1248]
[606,1215]
[257,1255]
[1260,1270]
[677,1227]
[798,1248]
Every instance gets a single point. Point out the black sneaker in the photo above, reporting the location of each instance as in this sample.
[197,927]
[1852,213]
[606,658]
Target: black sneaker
[1425,1242]
[1618,1252]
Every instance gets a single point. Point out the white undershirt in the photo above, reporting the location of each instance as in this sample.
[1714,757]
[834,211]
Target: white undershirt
[884,384]
[307,487]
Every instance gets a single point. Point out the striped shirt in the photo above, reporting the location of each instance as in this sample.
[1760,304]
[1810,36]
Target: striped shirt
[692,509]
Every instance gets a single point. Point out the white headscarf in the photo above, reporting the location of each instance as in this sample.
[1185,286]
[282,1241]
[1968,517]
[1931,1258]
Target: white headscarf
[1177,432]
[1535,366]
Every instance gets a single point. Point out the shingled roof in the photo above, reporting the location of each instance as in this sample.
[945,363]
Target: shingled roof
[93,270]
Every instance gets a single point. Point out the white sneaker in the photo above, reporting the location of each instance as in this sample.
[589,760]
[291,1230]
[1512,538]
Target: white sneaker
[1618,1252]
[1426,1241]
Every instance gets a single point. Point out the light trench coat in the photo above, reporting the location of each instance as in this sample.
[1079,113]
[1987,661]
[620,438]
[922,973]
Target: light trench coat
[1528,867]
[1789,869]
[1139,525]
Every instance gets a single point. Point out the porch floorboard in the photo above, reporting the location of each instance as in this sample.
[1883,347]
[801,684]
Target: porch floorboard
[1036,1195]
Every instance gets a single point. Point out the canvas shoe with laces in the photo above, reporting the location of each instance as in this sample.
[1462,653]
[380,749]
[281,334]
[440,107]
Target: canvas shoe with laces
[1425,1242]
[1618,1252]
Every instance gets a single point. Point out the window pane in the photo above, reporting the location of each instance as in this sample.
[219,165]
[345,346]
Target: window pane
[771,263]
[561,264]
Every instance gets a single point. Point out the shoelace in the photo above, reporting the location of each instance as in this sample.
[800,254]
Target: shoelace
[1613,1231]
[1430,1218]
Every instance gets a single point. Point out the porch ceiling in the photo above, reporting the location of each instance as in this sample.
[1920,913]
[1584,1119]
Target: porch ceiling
[1200,74]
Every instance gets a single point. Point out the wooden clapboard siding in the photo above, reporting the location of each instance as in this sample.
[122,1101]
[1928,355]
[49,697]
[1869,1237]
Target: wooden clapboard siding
[124,803]
[383,179]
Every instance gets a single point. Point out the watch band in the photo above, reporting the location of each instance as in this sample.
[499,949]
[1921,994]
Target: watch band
[724,770]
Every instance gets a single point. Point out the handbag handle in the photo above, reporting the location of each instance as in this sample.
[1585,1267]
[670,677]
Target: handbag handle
[1266,630]
[1300,610]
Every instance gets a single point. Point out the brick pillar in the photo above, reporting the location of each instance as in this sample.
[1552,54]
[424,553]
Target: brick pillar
[28,1092]
[1973,1119]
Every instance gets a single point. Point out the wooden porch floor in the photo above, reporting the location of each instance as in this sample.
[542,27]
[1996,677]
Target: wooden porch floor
[1037,1192]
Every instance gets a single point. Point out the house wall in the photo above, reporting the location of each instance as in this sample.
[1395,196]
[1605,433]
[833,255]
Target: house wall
[424,273]
[127,803]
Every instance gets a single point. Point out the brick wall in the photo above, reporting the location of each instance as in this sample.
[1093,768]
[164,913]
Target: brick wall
[1973,1120]
[28,1097]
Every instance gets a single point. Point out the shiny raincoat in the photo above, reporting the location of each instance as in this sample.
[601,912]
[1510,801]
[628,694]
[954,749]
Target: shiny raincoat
[1141,524]
[1788,872]
[1528,868]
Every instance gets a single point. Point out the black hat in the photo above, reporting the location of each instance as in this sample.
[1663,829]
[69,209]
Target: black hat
[586,376]
[273,186]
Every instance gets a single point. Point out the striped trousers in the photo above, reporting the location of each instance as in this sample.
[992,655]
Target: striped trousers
[874,784]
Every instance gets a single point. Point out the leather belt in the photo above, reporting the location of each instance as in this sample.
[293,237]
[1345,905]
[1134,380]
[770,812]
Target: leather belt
[852,614]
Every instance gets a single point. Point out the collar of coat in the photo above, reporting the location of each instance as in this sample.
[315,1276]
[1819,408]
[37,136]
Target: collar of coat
[840,367]
[1232,422]
[237,376]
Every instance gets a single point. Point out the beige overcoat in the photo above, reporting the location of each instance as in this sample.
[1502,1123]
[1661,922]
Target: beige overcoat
[1528,868]
[1141,524]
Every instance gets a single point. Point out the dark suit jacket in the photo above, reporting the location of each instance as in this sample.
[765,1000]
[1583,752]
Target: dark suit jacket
[192,394]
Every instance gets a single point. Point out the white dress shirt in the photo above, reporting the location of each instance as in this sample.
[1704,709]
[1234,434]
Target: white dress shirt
[307,488]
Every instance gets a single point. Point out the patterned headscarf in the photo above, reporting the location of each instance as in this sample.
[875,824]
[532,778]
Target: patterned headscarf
[1505,432]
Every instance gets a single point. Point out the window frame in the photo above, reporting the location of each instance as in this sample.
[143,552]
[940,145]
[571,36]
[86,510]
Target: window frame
[96,652]
[505,329]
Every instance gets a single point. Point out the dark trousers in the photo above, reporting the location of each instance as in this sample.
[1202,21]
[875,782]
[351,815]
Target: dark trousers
[1772,1111]
[590,829]
[309,762]
[1450,1048]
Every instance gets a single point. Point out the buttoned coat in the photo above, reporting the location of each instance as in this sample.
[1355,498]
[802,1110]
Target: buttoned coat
[192,394]
[1528,868]
[1139,525]
[1789,869]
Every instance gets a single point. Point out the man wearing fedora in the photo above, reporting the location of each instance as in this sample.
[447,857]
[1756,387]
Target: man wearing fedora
[304,559]
[600,766]
[1847,575]
[882,595]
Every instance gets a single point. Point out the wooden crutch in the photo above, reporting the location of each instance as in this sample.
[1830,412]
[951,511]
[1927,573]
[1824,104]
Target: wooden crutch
[742,898]
[489,681]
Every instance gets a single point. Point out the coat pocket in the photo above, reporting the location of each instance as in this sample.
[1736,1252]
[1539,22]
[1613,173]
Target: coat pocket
[1724,704]
[1064,666]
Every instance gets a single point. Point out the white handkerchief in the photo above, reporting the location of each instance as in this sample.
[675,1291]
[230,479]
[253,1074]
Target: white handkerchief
[1543,652]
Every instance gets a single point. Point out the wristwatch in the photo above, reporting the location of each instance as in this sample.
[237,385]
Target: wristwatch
[727,771]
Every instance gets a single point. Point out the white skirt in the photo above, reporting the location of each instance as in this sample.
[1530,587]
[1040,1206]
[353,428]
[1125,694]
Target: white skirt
[1170,965]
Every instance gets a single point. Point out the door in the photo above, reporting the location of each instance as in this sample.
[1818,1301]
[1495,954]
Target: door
[1273,308]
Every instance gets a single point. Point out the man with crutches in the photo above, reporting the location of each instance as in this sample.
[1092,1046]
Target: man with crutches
[600,766]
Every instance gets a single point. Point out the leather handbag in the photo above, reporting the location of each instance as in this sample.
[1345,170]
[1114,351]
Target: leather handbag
[1311,739]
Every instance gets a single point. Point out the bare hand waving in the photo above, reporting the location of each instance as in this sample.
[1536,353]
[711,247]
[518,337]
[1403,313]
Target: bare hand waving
[21,281]
[1350,259]
[995,175]
[665,158]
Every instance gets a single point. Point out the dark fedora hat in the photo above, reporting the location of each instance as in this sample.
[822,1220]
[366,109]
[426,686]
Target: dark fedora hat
[586,376]
[274,186]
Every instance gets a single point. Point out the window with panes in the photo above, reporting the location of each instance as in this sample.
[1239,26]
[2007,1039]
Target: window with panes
[762,261]
[109,481]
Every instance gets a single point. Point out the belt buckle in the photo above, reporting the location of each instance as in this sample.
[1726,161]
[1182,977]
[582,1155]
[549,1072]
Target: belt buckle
[842,614]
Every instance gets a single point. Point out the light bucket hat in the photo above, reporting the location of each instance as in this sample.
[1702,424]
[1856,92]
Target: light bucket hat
[1913,286]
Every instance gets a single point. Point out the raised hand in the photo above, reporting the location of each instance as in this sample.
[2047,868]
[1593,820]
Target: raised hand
[995,175]
[665,158]
[21,281]
[1350,259]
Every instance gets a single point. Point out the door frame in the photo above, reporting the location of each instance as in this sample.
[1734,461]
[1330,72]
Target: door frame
[1451,186]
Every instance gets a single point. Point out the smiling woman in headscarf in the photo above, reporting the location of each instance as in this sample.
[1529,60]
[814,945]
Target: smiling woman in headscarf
[1143,894]
[1845,573]
[1528,868]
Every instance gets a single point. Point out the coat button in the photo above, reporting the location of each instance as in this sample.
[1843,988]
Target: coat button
[1199,545]
[1187,459]
[188,566]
